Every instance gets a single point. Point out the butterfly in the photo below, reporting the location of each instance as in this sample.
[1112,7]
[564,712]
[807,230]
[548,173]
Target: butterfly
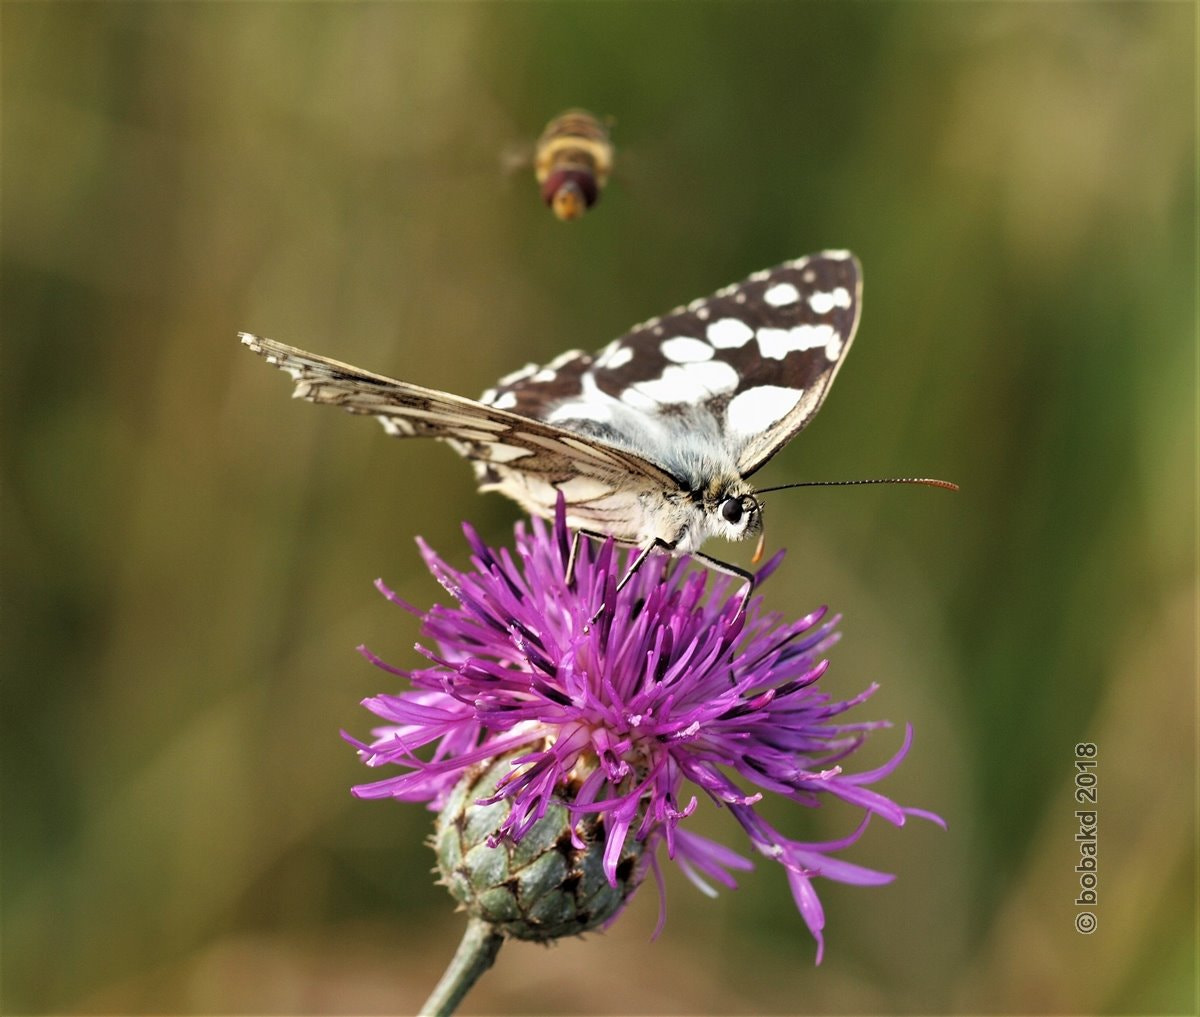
[653,439]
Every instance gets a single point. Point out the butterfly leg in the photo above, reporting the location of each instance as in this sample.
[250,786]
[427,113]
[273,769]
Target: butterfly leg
[574,555]
[658,544]
[569,575]
[730,570]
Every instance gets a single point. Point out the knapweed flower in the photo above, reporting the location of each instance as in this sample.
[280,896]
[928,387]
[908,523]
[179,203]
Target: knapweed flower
[557,714]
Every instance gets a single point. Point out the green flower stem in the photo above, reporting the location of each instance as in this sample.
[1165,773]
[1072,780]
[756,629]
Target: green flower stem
[476,953]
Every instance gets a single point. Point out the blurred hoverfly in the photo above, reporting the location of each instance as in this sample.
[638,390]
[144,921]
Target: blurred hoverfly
[573,160]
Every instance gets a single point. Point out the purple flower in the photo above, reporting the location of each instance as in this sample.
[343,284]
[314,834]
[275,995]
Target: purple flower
[613,713]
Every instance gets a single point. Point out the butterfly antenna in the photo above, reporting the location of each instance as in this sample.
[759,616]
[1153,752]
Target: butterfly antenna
[926,481]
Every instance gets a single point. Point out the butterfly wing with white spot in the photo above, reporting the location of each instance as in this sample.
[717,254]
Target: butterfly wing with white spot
[527,459]
[757,358]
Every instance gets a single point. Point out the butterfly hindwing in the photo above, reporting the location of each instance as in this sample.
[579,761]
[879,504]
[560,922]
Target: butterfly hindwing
[757,358]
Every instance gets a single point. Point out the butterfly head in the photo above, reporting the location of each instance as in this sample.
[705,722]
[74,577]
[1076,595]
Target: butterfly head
[736,513]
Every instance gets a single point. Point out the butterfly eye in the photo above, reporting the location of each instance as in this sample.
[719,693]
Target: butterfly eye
[731,509]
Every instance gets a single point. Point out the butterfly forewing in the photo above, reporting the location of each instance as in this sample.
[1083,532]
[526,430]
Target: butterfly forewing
[756,358]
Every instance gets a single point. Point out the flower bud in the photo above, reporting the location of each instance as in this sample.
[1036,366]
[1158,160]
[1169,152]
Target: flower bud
[540,887]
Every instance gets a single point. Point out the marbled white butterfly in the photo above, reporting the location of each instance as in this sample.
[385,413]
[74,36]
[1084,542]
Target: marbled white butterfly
[653,439]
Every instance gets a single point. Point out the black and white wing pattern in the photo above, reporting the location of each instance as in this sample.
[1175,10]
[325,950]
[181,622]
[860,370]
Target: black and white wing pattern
[751,364]
[650,439]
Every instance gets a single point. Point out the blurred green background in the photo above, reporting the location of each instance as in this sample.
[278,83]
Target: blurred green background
[188,554]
